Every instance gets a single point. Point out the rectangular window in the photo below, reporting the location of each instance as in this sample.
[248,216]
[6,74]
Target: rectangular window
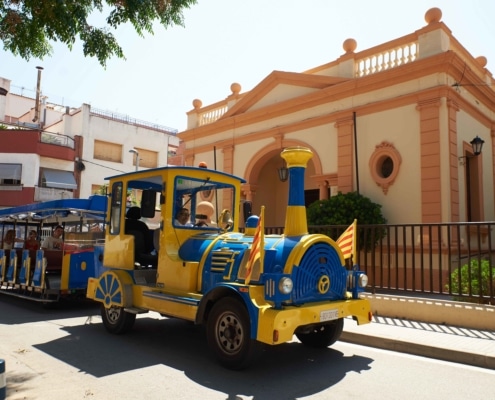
[99,189]
[10,174]
[147,158]
[107,151]
[58,179]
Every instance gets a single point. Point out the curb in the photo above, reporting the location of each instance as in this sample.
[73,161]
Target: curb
[476,360]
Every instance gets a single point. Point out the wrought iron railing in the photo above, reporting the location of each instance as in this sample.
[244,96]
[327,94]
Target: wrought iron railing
[447,260]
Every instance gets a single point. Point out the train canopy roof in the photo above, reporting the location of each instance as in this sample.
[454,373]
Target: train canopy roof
[93,208]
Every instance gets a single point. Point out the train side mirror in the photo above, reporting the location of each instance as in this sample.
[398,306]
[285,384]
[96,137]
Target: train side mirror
[247,209]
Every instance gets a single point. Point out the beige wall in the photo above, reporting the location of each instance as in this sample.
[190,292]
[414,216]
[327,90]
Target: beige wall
[408,104]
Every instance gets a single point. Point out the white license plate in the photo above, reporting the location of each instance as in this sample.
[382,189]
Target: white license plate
[328,315]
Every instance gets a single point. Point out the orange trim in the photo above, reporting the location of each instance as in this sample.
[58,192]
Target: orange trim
[431,194]
[455,212]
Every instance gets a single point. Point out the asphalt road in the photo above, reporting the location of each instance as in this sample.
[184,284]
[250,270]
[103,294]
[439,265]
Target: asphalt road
[66,353]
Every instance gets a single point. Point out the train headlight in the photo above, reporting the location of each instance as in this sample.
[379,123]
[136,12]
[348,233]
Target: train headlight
[285,285]
[363,280]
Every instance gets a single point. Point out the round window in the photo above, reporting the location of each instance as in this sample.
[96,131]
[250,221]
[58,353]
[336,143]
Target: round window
[384,165]
[387,167]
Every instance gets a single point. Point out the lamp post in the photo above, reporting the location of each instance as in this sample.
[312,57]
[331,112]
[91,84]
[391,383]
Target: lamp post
[137,157]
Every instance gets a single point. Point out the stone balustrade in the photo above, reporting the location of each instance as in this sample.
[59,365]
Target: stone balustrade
[432,39]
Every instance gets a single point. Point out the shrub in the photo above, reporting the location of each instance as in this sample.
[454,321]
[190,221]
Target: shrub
[472,276]
[342,209]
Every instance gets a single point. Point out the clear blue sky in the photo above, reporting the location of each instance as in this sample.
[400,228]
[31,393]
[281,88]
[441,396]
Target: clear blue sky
[226,41]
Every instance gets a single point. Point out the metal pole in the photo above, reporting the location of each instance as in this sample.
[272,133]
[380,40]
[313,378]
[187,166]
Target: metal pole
[137,157]
[38,92]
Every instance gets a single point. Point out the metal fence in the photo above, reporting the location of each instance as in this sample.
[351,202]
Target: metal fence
[453,261]
[132,121]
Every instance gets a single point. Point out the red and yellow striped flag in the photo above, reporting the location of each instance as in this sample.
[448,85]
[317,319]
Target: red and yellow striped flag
[347,242]
[257,248]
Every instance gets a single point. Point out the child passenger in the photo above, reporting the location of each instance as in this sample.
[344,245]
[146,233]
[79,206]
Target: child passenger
[32,242]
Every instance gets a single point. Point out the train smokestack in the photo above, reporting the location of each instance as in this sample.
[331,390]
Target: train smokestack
[297,158]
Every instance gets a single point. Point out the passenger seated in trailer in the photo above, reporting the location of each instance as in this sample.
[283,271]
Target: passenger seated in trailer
[32,242]
[55,241]
[143,240]
[9,240]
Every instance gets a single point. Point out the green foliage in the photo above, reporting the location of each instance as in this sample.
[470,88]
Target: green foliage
[472,276]
[28,26]
[342,209]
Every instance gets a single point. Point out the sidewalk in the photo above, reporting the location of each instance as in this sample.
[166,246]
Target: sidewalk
[442,342]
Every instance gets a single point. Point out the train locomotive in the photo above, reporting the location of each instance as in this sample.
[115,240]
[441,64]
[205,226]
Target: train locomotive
[249,289]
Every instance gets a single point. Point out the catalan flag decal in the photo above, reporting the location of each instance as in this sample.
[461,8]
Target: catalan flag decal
[347,242]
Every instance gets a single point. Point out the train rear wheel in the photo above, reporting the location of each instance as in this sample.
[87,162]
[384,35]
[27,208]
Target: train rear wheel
[323,335]
[228,332]
[117,320]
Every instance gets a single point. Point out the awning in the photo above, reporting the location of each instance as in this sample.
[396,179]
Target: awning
[10,171]
[59,179]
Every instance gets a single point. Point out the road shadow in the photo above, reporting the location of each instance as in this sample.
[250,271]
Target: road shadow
[15,310]
[287,371]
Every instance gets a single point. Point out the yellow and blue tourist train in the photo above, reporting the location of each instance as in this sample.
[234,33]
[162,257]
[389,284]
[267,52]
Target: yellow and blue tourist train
[50,275]
[248,289]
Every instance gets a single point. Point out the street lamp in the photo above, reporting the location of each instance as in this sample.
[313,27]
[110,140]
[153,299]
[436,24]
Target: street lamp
[283,173]
[137,157]
[477,145]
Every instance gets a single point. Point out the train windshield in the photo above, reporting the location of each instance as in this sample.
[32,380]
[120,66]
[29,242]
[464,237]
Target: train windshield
[202,203]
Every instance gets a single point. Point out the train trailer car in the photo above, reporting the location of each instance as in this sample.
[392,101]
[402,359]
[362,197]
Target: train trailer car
[248,289]
[49,275]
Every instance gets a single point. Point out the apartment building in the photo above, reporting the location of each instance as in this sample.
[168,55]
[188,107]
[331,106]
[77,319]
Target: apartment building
[48,151]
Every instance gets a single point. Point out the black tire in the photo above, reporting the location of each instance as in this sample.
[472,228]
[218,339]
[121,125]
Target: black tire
[116,320]
[323,335]
[228,332]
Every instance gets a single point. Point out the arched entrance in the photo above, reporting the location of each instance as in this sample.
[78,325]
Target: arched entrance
[264,188]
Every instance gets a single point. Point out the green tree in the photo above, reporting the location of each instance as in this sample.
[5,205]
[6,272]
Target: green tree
[28,26]
[341,210]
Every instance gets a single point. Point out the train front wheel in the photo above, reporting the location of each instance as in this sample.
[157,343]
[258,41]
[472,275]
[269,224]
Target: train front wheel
[228,333]
[117,320]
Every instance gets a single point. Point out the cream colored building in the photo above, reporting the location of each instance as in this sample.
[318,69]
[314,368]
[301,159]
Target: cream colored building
[393,122]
